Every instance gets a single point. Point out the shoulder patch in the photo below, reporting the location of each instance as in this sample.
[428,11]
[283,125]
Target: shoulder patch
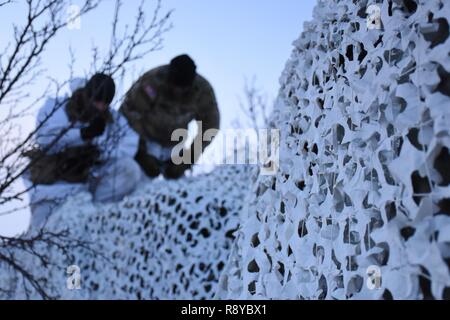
[150,91]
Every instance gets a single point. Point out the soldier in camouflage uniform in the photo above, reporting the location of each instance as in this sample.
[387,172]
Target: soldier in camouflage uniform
[164,99]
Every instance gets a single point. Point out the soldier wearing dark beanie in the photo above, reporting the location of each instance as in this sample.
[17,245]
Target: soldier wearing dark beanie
[90,105]
[82,144]
[163,100]
[100,88]
[182,71]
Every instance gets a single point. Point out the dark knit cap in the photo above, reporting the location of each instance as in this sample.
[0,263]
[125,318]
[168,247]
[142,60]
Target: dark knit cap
[182,71]
[101,88]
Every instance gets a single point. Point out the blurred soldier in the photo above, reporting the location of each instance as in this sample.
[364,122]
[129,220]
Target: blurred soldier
[82,145]
[165,99]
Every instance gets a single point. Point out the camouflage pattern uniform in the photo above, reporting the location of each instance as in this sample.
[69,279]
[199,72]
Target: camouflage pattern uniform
[155,108]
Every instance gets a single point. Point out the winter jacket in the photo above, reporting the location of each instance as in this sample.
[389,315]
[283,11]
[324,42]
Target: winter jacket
[154,110]
[63,155]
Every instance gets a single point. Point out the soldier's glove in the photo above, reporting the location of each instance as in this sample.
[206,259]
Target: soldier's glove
[75,163]
[95,128]
[174,171]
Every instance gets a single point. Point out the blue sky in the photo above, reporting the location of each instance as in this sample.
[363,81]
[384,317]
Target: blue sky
[228,39]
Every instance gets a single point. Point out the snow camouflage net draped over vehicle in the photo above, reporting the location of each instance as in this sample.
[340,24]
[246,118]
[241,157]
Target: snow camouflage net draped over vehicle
[365,119]
[169,240]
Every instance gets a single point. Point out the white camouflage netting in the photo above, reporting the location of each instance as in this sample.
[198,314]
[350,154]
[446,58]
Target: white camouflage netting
[365,119]
[169,240]
[363,182]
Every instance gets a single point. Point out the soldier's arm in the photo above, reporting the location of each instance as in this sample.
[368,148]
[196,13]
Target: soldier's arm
[133,117]
[138,102]
[54,128]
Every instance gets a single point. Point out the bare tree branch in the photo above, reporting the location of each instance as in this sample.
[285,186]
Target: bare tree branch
[38,247]
[255,105]
[31,41]
[21,67]
[143,39]
[3,3]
